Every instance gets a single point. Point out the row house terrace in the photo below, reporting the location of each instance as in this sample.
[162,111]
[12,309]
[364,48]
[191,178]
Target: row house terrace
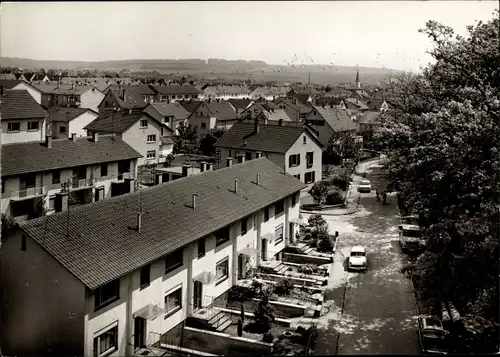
[175,92]
[126,271]
[23,119]
[170,114]
[56,174]
[145,134]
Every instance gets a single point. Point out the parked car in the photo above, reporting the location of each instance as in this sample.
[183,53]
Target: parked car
[432,335]
[365,186]
[357,258]
[410,238]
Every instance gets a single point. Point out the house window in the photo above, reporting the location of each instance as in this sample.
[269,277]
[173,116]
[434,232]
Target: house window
[56,177]
[266,214]
[221,236]
[173,260]
[222,270]
[244,225]
[145,276]
[143,123]
[278,233]
[33,126]
[13,127]
[201,247]
[248,156]
[294,200]
[3,186]
[304,140]
[62,129]
[173,302]
[309,159]
[151,154]
[104,169]
[297,176]
[52,203]
[294,160]
[279,207]
[106,343]
[152,138]
[107,294]
[203,125]
[229,153]
[309,177]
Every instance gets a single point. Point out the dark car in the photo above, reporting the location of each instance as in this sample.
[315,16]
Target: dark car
[432,335]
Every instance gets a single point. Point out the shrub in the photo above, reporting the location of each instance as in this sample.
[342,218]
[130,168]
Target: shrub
[240,293]
[283,287]
[264,315]
[268,337]
[325,243]
[318,192]
[316,220]
[334,197]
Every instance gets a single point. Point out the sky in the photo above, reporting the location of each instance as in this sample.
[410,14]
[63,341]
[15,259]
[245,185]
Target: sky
[365,33]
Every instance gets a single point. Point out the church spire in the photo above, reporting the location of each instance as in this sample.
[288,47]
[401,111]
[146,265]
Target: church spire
[358,83]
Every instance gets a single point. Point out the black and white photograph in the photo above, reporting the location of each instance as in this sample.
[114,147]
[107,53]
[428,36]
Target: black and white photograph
[249,178]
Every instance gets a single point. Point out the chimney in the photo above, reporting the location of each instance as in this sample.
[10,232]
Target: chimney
[256,125]
[61,203]
[73,86]
[203,166]
[185,170]
[235,186]
[95,137]
[258,179]
[139,221]
[210,167]
[58,85]
[258,155]
[194,200]
[73,136]
[229,161]
[48,141]
[241,159]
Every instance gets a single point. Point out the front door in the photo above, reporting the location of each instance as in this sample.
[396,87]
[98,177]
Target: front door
[139,332]
[198,293]
[241,266]
[264,249]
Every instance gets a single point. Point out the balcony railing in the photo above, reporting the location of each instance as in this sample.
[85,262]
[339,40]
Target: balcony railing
[124,176]
[26,193]
[82,183]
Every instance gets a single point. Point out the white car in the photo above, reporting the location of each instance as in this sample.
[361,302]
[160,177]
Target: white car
[357,258]
[365,186]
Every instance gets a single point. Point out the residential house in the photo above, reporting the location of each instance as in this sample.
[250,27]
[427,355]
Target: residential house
[36,175]
[232,92]
[256,108]
[301,97]
[23,119]
[283,145]
[176,92]
[209,92]
[326,121]
[70,95]
[368,122]
[377,104]
[148,136]
[224,113]
[33,91]
[331,101]
[272,117]
[7,84]
[66,121]
[122,273]
[171,114]
[190,105]
[355,108]
[122,98]
[294,108]
[240,105]
[268,93]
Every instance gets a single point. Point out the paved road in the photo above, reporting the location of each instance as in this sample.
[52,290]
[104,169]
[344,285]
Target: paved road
[373,312]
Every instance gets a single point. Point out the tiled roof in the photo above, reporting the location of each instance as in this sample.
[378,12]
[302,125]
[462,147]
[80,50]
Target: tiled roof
[24,158]
[19,104]
[232,90]
[102,243]
[355,104]
[336,118]
[271,138]
[222,110]
[369,118]
[190,105]
[328,101]
[131,100]
[240,103]
[110,122]
[177,89]
[276,114]
[68,89]
[168,109]
[63,114]
[9,83]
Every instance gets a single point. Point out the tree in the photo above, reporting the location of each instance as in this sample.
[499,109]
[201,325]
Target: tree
[186,139]
[318,192]
[264,314]
[343,145]
[316,220]
[442,136]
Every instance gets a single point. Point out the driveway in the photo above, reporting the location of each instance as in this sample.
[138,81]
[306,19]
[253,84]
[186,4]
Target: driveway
[372,312]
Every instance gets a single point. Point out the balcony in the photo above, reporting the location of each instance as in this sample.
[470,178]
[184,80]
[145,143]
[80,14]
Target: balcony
[78,184]
[121,177]
[28,193]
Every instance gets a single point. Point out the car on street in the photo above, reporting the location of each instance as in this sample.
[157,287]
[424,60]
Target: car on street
[410,238]
[432,335]
[365,186]
[357,258]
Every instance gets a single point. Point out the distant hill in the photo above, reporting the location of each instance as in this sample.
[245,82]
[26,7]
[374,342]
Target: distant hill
[235,69]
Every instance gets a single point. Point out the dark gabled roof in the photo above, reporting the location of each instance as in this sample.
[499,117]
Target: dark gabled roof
[222,110]
[110,122]
[24,158]
[240,103]
[127,98]
[102,243]
[190,105]
[167,109]
[63,114]
[9,83]
[177,89]
[271,138]
[19,104]
[336,118]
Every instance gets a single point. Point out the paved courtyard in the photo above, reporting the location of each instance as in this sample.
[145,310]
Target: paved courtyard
[372,312]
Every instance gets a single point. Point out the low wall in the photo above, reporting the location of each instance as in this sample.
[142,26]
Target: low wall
[295,280]
[223,344]
[305,259]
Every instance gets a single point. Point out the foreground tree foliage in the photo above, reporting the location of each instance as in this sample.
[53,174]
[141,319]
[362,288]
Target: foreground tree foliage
[442,142]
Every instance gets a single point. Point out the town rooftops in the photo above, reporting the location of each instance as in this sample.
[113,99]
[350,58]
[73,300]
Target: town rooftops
[19,104]
[68,89]
[336,118]
[177,89]
[18,159]
[276,115]
[270,138]
[101,243]
[111,122]
[222,110]
[128,98]
[240,104]
[171,109]
[190,105]
[63,114]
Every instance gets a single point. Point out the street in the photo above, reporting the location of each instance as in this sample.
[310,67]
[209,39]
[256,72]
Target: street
[373,312]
